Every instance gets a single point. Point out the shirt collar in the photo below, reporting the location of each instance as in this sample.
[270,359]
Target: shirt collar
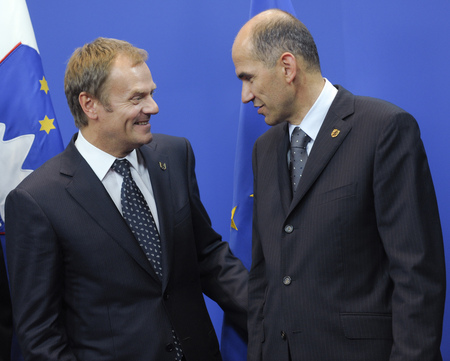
[98,160]
[314,118]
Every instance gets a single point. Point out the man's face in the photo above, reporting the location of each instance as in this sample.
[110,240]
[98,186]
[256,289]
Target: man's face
[124,121]
[265,87]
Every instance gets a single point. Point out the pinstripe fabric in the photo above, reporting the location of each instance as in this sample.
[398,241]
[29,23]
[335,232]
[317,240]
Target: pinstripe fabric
[352,268]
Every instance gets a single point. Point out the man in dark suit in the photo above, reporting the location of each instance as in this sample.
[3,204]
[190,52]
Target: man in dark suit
[347,259]
[5,312]
[82,286]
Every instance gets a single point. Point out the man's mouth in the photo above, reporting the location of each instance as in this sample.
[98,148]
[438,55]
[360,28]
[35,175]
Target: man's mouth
[142,123]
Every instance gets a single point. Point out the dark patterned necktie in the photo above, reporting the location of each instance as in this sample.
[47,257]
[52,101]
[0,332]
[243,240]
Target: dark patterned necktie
[299,156]
[137,214]
[139,218]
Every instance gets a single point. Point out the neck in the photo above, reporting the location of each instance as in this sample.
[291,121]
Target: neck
[307,94]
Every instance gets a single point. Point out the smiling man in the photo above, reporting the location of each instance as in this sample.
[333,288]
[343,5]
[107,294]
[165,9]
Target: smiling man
[109,246]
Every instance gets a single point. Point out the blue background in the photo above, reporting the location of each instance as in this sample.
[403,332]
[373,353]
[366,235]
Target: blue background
[397,50]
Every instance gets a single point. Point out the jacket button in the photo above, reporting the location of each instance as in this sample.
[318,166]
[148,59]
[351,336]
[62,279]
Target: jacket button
[283,335]
[166,296]
[289,228]
[169,347]
[287,280]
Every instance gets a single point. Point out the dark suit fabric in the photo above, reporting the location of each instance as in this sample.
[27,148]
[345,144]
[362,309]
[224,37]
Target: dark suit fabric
[5,312]
[360,241]
[82,288]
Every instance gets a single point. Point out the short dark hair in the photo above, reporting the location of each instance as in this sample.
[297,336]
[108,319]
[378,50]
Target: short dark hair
[283,33]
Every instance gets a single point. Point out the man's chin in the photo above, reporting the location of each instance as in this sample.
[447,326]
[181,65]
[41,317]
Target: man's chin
[145,140]
[270,121]
[149,138]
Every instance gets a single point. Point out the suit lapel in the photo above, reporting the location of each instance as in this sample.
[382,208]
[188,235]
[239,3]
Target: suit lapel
[158,165]
[283,167]
[332,134]
[92,196]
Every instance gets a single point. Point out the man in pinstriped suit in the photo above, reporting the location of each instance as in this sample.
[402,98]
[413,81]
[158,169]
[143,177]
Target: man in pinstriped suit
[350,265]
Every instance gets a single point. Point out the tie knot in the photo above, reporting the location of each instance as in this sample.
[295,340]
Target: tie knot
[299,138]
[122,166]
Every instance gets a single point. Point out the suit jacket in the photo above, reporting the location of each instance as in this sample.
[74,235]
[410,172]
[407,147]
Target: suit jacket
[352,266]
[82,288]
[5,312]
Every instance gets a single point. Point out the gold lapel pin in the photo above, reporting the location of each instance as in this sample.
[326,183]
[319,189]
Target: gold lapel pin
[162,165]
[335,133]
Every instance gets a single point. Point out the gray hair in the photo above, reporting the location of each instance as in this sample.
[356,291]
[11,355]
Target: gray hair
[283,33]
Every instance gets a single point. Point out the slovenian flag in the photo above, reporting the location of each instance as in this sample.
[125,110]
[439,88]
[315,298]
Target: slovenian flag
[251,126]
[29,133]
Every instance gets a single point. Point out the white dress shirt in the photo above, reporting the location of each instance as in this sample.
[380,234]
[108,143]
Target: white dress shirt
[314,118]
[101,163]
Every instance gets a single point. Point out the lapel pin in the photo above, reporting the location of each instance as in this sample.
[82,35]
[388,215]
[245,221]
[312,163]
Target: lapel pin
[162,165]
[335,133]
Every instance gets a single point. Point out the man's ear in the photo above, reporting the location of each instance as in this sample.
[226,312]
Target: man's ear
[289,66]
[89,105]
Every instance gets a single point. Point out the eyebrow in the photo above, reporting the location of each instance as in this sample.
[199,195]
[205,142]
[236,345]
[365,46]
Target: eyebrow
[244,75]
[142,92]
[137,92]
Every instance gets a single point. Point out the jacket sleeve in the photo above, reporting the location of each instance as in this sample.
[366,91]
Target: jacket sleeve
[36,272]
[223,276]
[409,226]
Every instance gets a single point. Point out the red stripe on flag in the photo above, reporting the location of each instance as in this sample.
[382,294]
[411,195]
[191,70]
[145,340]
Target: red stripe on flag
[11,51]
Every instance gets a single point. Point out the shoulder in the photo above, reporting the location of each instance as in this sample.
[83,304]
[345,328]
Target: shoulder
[347,101]
[45,174]
[38,187]
[53,172]
[368,112]
[163,146]
[168,143]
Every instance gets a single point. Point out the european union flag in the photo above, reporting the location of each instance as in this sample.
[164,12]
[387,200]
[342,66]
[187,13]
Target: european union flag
[29,133]
[251,126]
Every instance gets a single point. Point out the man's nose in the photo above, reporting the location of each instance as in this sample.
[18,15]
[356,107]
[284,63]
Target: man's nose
[247,94]
[151,107]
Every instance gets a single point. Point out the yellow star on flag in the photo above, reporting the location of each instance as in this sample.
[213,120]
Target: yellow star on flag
[233,225]
[47,124]
[44,85]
